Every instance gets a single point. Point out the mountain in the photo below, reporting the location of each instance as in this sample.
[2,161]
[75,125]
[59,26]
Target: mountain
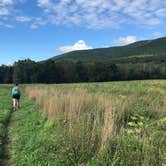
[141,51]
[138,61]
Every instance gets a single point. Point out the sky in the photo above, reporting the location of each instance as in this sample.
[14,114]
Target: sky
[40,29]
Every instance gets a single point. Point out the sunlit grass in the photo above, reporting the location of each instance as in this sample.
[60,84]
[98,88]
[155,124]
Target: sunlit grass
[106,122]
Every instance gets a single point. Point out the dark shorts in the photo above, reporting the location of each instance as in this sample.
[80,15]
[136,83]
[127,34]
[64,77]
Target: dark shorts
[17,96]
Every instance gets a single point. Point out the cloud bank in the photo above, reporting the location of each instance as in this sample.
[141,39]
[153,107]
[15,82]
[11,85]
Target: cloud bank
[98,14]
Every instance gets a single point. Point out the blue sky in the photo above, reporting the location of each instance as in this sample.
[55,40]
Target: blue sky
[40,29]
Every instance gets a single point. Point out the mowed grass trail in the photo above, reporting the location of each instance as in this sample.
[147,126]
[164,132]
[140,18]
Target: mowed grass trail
[31,143]
[5,112]
[97,124]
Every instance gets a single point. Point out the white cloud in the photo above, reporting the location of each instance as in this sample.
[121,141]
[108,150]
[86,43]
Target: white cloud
[23,19]
[5,7]
[161,12]
[80,45]
[125,40]
[6,25]
[33,26]
[157,34]
[37,22]
[6,2]
[9,14]
[10,63]
[7,64]
[4,11]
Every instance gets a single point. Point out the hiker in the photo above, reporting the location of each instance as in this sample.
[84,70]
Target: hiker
[16,93]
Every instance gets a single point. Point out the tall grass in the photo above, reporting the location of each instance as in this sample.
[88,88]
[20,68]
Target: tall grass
[86,116]
[116,122]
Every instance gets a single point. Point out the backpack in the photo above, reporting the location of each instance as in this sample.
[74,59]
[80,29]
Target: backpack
[15,90]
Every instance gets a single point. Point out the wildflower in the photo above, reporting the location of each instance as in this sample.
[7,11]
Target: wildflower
[122,97]
[155,89]
[163,119]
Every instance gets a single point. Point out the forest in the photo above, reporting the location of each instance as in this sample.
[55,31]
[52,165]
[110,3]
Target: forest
[66,71]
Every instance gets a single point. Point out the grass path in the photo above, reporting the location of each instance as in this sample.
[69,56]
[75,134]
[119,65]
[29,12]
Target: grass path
[21,133]
[26,137]
[31,139]
[5,115]
[6,144]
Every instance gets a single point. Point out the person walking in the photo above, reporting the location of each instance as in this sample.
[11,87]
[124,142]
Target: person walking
[16,94]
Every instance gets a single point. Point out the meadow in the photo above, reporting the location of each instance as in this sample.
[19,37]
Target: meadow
[90,124]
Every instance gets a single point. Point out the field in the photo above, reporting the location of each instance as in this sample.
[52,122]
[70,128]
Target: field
[95,124]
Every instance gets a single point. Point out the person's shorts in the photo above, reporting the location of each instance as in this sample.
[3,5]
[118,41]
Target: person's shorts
[16,96]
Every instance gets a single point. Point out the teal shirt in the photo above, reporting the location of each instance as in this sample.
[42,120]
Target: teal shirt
[15,90]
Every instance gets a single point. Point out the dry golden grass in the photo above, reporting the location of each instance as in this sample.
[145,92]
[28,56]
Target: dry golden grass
[85,113]
[107,129]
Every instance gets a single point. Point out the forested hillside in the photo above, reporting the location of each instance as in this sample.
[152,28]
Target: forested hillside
[140,60]
[143,51]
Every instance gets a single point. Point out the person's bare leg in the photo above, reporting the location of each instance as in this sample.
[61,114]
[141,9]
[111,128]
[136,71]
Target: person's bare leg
[14,104]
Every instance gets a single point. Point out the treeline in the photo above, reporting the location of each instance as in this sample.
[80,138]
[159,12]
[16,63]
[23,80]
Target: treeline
[28,71]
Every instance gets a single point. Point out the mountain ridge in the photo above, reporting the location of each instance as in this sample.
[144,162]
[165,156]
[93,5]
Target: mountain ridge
[155,47]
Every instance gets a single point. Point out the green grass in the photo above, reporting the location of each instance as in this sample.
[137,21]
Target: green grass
[140,121]
[139,139]
[30,142]
[4,116]
[36,140]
